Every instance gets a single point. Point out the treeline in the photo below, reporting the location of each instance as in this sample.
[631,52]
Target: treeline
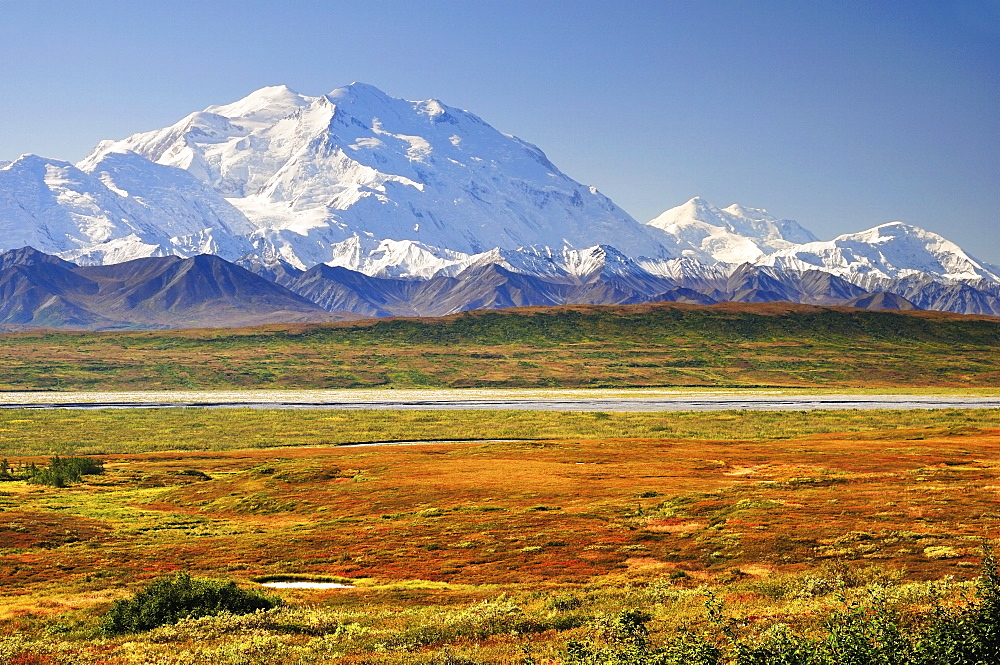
[60,472]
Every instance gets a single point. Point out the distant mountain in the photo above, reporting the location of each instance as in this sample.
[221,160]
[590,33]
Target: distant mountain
[365,203]
[326,179]
[488,286]
[895,250]
[38,290]
[492,285]
[730,235]
[889,301]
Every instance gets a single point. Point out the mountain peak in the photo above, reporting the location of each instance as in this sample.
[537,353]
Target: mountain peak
[896,231]
[888,251]
[749,213]
[269,102]
[29,256]
[736,234]
[310,173]
[359,92]
[32,161]
[699,205]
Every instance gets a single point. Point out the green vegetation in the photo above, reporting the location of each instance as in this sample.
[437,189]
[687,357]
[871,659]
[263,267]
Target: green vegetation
[881,621]
[101,432]
[760,546]
[169,600]
[642,345]
[722,538]
[861,631]
[60,472]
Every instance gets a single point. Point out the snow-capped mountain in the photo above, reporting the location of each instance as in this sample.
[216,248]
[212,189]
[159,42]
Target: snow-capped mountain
[326,179]
[894,251]
[127,208]
[419,191]
[738,235]
[699,230]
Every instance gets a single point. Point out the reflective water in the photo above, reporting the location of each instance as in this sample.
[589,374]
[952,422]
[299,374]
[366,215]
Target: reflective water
[307,585]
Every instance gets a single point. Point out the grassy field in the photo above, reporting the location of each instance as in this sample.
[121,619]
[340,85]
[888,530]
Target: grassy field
[723,525]
[40,433]
[513,536]
[734,345]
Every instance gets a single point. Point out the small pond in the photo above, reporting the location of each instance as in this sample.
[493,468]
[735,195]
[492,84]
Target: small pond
[305,584]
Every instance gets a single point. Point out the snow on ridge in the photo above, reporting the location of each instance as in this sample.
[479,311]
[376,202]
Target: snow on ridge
[893,250]
[391,187]
[319,170]
[731,235]
[128,208]
[739,234]
[263,105]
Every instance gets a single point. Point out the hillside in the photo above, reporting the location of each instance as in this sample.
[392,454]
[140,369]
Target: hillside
[38,290]
[664,344]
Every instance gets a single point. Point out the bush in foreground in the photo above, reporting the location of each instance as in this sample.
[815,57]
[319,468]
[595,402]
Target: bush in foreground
[171,599]
[861,634]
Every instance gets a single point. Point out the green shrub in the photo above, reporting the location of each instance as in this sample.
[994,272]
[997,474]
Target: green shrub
[966,635]
[168,600]
[863,633]
[564,602]
[626,642]
[62,471]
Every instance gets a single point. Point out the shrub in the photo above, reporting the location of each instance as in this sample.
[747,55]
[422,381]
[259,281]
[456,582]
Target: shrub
[626,642]
[863,633]
[967,635]
[170,599]
[62,471]
[563,602]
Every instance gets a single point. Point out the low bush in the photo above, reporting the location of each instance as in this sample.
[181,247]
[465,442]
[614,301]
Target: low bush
[62,471]
[171,599]
[862,633]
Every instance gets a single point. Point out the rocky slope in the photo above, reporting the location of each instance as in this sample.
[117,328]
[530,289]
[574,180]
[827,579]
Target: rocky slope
[39,290]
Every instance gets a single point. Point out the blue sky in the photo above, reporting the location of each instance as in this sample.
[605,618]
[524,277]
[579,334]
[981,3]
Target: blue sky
[841,115]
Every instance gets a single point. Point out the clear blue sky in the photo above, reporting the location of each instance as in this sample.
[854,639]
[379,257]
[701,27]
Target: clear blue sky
[841,114]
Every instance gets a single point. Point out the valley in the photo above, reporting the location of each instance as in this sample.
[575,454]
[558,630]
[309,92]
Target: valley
[501,535]
[552,534]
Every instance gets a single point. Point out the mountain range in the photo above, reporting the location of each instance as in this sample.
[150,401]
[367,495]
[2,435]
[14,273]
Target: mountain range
[41,290]
[359,203]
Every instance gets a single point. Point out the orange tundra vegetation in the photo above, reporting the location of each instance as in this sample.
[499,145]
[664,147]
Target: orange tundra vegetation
[444,526]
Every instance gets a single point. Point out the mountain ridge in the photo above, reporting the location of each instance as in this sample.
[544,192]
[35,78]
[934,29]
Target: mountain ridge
[421,191]
[39,290]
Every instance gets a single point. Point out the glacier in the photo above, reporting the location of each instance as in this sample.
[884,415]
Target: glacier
[413,190]
[324,177]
